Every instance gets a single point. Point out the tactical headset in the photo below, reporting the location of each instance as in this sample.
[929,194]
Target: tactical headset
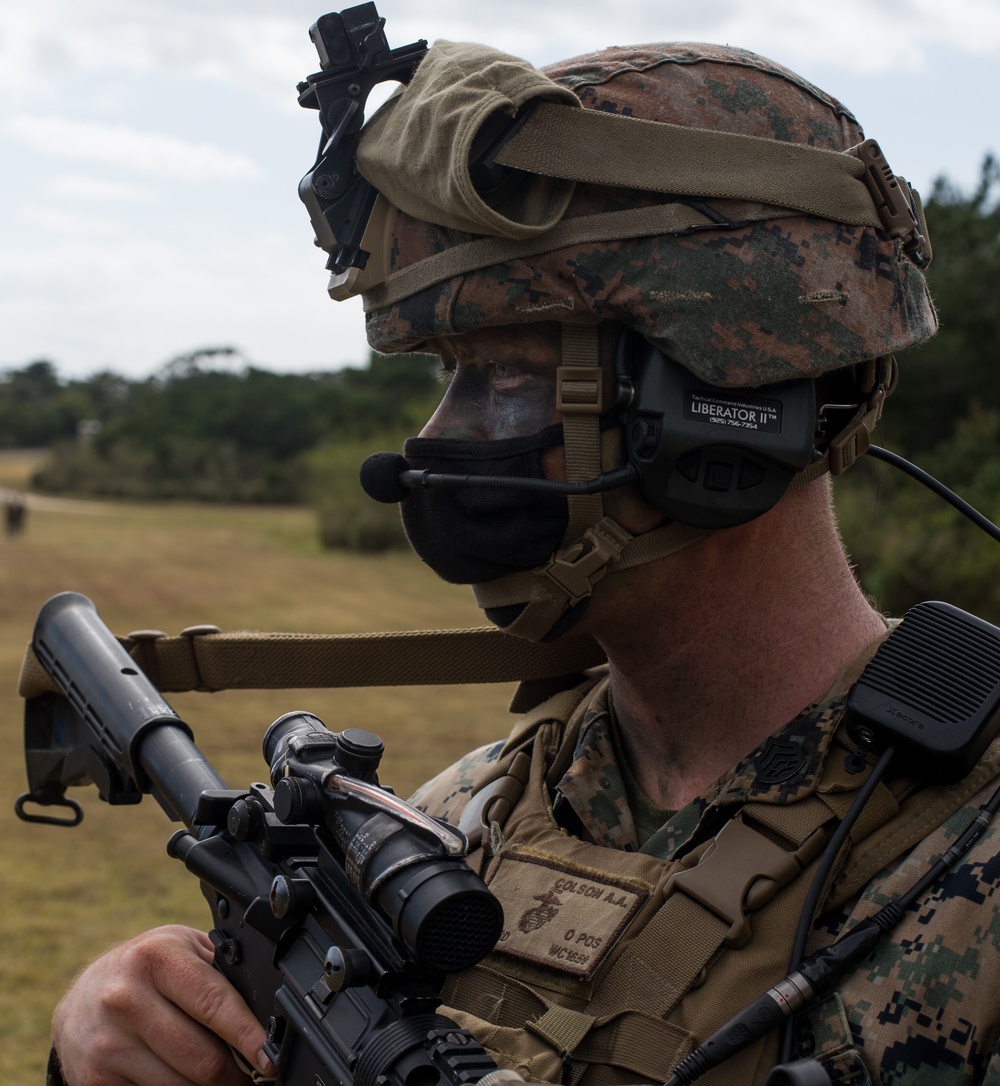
[706,456]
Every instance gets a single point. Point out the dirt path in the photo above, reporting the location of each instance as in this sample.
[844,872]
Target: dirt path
[45,504]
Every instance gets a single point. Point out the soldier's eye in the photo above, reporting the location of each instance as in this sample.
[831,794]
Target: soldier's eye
[505,375]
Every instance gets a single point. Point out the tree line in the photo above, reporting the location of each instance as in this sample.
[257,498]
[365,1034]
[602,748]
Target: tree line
[945,417]
[210,427]
[200,431]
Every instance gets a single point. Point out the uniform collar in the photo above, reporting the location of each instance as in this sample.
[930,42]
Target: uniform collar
[784,769]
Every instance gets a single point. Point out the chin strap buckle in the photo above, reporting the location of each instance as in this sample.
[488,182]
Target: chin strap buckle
[856,437]
[574,570]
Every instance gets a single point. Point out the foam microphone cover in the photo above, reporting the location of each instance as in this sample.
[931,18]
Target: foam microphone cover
[380,474]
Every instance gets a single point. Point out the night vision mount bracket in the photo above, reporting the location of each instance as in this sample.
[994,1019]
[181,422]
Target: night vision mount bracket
[354,58]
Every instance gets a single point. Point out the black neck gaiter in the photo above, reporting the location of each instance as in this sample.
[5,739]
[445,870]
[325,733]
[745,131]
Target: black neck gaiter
[472,535]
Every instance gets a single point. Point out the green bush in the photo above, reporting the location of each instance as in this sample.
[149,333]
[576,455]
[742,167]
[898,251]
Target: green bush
[190,469]
[200,433]
[908,544]
[348,519]
[940,378]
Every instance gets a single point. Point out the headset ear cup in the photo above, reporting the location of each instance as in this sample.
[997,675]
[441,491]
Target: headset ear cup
[712,457]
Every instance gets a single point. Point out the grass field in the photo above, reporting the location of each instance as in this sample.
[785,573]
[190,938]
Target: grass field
[69,893]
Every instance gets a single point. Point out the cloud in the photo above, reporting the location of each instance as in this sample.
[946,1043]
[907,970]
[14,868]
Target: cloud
[858,35]
[242,43]
[100,190]
[251,48]
[900,35]
[129,304]
[146,154]
[152,147]
[254,46]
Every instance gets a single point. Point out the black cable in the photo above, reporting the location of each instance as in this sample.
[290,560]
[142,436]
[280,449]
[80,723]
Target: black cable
[816,887]
[810,978]
[806,918]
[821,971]
[961,845]
[938,488]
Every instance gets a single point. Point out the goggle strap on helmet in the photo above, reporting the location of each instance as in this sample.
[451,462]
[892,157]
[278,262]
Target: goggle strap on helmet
[643,154]
[580,401]
[485,252]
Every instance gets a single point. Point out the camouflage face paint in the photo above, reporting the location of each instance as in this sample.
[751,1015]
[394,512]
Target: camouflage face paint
[501,385]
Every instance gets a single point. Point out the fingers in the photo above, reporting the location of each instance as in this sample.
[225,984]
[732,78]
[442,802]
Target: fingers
[154,1012]
[201,994]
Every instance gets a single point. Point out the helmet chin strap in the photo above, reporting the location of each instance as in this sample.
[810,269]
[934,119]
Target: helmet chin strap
[580,401]
[570,575]
[594,544]
[568,578]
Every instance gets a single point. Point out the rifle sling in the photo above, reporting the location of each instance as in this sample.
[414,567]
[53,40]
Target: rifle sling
[203,658]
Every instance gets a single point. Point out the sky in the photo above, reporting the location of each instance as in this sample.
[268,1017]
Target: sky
[150,150]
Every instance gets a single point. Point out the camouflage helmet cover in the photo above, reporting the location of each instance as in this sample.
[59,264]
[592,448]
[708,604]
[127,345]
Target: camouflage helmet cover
[742,305]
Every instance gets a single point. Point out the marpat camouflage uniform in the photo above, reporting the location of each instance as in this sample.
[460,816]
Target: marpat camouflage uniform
[925,1009]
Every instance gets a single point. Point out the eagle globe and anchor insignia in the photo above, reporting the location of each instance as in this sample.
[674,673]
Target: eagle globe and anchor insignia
[533,919]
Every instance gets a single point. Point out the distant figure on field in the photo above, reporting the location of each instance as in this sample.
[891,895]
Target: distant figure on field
[15,514]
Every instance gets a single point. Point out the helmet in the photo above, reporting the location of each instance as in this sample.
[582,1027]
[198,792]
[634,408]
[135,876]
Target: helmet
[761,294]
[714,203]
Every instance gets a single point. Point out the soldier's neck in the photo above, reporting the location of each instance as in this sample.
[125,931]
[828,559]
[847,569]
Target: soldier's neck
[715,648]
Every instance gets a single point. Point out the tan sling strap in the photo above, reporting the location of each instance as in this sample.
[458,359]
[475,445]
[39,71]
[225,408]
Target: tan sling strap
[204,658]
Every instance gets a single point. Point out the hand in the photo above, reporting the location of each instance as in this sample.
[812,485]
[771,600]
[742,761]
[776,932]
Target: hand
[153,1012]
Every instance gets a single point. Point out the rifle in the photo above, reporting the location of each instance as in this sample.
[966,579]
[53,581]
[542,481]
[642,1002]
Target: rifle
[337,908]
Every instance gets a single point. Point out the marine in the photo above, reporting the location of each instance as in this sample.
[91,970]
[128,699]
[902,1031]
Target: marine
[576,244]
